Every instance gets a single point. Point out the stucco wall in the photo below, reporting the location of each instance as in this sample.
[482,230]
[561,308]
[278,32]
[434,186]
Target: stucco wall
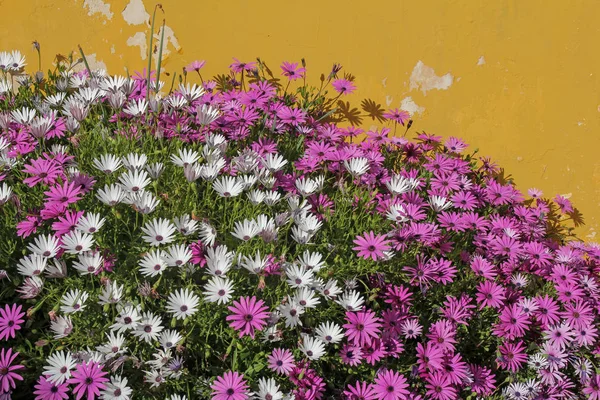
[516,79]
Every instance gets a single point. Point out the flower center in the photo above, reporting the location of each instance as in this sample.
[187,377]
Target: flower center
[147,329]
[183,308]
[221,292]
[248,317]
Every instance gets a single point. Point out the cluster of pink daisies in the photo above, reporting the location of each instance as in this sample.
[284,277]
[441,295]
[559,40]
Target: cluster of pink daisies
[226,240]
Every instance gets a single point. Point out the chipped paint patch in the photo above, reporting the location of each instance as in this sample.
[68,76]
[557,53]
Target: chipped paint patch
[139,39]
[481,60]
[135,13]
[409,105]
[567,195]
[383,82]
[424,78]
[388,100]
[169,38]
[112,49]
[98,7]
[93,62]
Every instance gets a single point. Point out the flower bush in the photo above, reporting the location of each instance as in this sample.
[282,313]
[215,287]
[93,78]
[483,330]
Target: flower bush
[234,240]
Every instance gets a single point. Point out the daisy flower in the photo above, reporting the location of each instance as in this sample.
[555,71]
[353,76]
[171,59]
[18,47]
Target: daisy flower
[245,230]
[313,348]
[330,332]
[361,390]
[268,389]
[76,242]
[149,327]
[88,379]
[153,263]
[351,300]
[32,265]
[371,246]
[45,246]
[362,326]
[11,319]
[343,86]
[248,315]
[108,163]
[228,186]
[47,390]
[116,389]
[7,371]
[218,290]
[61,326]
[158,231]
[73,301]
[90,223]
[169,339]
[182,304]
[281,361]
[400,116]
[128,318]
[298,276]
[390,385]
[230,386]
[134,181]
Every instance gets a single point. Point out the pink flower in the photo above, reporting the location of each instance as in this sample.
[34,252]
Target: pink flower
[248,315]
[343,86]
[47,390]
[89,380]
[371,246]
[281,361]
[230,386]
[7,374]
[400,116]
[362,326]
[292,71]
[10,321]
[390,385]
[195,66]
[292,116]
[360,390]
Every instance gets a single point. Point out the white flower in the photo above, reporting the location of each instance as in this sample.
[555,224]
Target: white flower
[134,161]
[351,301]
[272,197]
[114,346]
[256,196]
[134,181]
[271,335]
[301,236]
[61,326]
[32,265]
[5,193]
[399,184]
[274,162]
[128,318]
[298,276]
[17,61]
[90,223]
[268,389]
[111,293]
[256,265]
[155,170]
[357,166]
[206,114]
[331,289]
[185,157]
[245,230]
[311,261]
[108,163]
[517,391]
[218,290]
[185,225]
[144,202]
[309,223]
[23,116]
[228,186]
[313,348]
[88,263]
[136,107]
[77,242]
[116,389]
[218,260]
[153,263]
[207,233]
[191,92]
[169,339]
[306,297]
[59,366]
[178,255]
[149,327]
[45,246]
[113,84]
[158,231]
[537,362]
[73,301]
[291,311]
[154,377]
[306,186]
[111,195]
[396,213]
[58,269]
[439,203]
[330,332]
[182,304]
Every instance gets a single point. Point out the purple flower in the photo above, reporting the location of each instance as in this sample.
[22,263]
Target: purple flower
[47,390]
[248,315]
[89,380]
[10,321]
[7,374]
[230,386]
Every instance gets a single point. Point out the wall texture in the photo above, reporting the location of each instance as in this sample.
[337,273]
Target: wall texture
[519,80]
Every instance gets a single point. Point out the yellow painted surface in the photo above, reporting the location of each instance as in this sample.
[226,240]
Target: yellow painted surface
[524,74]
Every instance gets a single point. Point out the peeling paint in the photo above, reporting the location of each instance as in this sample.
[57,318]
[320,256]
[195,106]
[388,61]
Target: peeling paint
[424,78]
[98,7]
[481,60]
[112,49]
[383,82]
[388,100]
[93,62]
[169,38]
[409,105]
[135,13]
[567,195]
[139,39]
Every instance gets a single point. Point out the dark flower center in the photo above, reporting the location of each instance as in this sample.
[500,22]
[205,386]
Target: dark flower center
[11,323]
[159,238]
[390,389]
[63,370]
[371,248]
[127,320]
[230,392]
[279,363]
[3,370]
[248,317]
[221,292]
[147,329]
[89,381]
[183,308]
